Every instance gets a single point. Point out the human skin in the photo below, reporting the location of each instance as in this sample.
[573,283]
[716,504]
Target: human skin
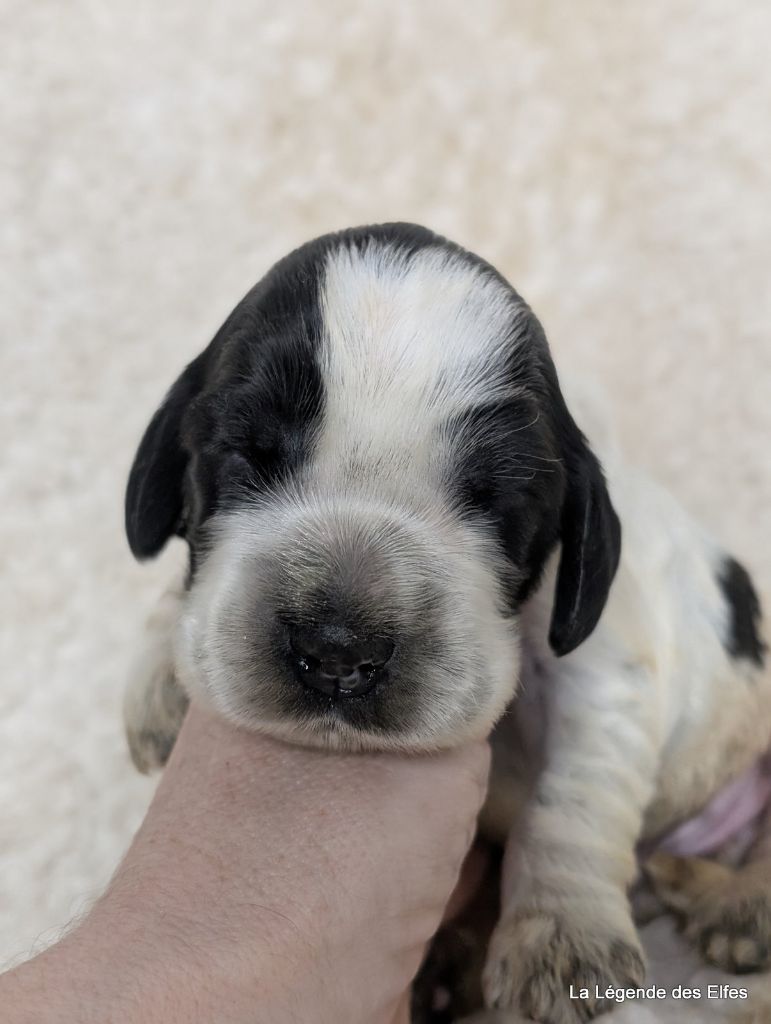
[267,883]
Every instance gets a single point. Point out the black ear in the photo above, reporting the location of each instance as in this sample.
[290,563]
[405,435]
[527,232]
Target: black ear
[154,492]
[591,547]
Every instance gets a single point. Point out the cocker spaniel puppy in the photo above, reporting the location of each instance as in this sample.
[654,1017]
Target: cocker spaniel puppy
[400,539]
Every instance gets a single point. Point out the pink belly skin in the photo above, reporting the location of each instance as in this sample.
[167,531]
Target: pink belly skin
[731,810]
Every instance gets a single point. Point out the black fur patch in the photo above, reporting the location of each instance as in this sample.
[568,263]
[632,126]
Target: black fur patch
[743,639]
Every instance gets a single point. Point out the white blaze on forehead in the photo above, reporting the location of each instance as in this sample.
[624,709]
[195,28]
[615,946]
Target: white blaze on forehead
[409,342]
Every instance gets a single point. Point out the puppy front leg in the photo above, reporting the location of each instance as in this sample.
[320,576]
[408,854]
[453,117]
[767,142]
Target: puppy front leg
[566,933]
[155,704]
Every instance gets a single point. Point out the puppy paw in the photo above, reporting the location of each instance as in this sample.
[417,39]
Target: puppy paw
[150,749]
[153,710]
[726,914]
[553,969]
[736,938]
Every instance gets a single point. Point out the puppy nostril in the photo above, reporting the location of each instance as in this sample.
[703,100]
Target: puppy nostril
[336,661]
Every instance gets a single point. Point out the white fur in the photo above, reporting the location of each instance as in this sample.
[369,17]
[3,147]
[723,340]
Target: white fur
[408,344]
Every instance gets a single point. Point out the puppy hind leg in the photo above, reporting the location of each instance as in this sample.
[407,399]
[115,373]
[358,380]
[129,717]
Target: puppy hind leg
[154,704]
[726,912]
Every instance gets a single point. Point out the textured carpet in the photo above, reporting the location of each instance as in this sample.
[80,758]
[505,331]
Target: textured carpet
[612,159]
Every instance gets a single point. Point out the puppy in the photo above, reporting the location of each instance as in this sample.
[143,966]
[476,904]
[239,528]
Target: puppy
[400,540]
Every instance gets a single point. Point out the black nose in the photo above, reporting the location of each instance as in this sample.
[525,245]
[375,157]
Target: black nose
[337,661]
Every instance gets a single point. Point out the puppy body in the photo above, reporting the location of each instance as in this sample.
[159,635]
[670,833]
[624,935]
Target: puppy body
[374,454]
[636,730]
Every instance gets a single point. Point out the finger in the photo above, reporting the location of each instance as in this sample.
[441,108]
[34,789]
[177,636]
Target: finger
[472,874]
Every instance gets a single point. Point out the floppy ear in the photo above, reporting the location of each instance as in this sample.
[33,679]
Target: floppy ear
[154,491]
[591,546]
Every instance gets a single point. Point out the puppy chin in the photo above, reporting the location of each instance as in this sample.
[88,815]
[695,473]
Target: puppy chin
[331,733]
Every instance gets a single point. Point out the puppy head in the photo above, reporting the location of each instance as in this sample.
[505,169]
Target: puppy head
[371,463]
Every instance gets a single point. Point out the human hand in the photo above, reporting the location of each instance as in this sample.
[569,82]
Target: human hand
[268,883]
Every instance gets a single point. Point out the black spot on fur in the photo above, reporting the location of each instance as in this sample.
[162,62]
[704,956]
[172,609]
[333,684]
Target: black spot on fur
[743,639]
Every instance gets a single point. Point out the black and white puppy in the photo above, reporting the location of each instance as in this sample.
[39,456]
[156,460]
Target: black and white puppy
[397,531]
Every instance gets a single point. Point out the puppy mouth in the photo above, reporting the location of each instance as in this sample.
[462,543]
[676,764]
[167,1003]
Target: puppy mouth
[366,707]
